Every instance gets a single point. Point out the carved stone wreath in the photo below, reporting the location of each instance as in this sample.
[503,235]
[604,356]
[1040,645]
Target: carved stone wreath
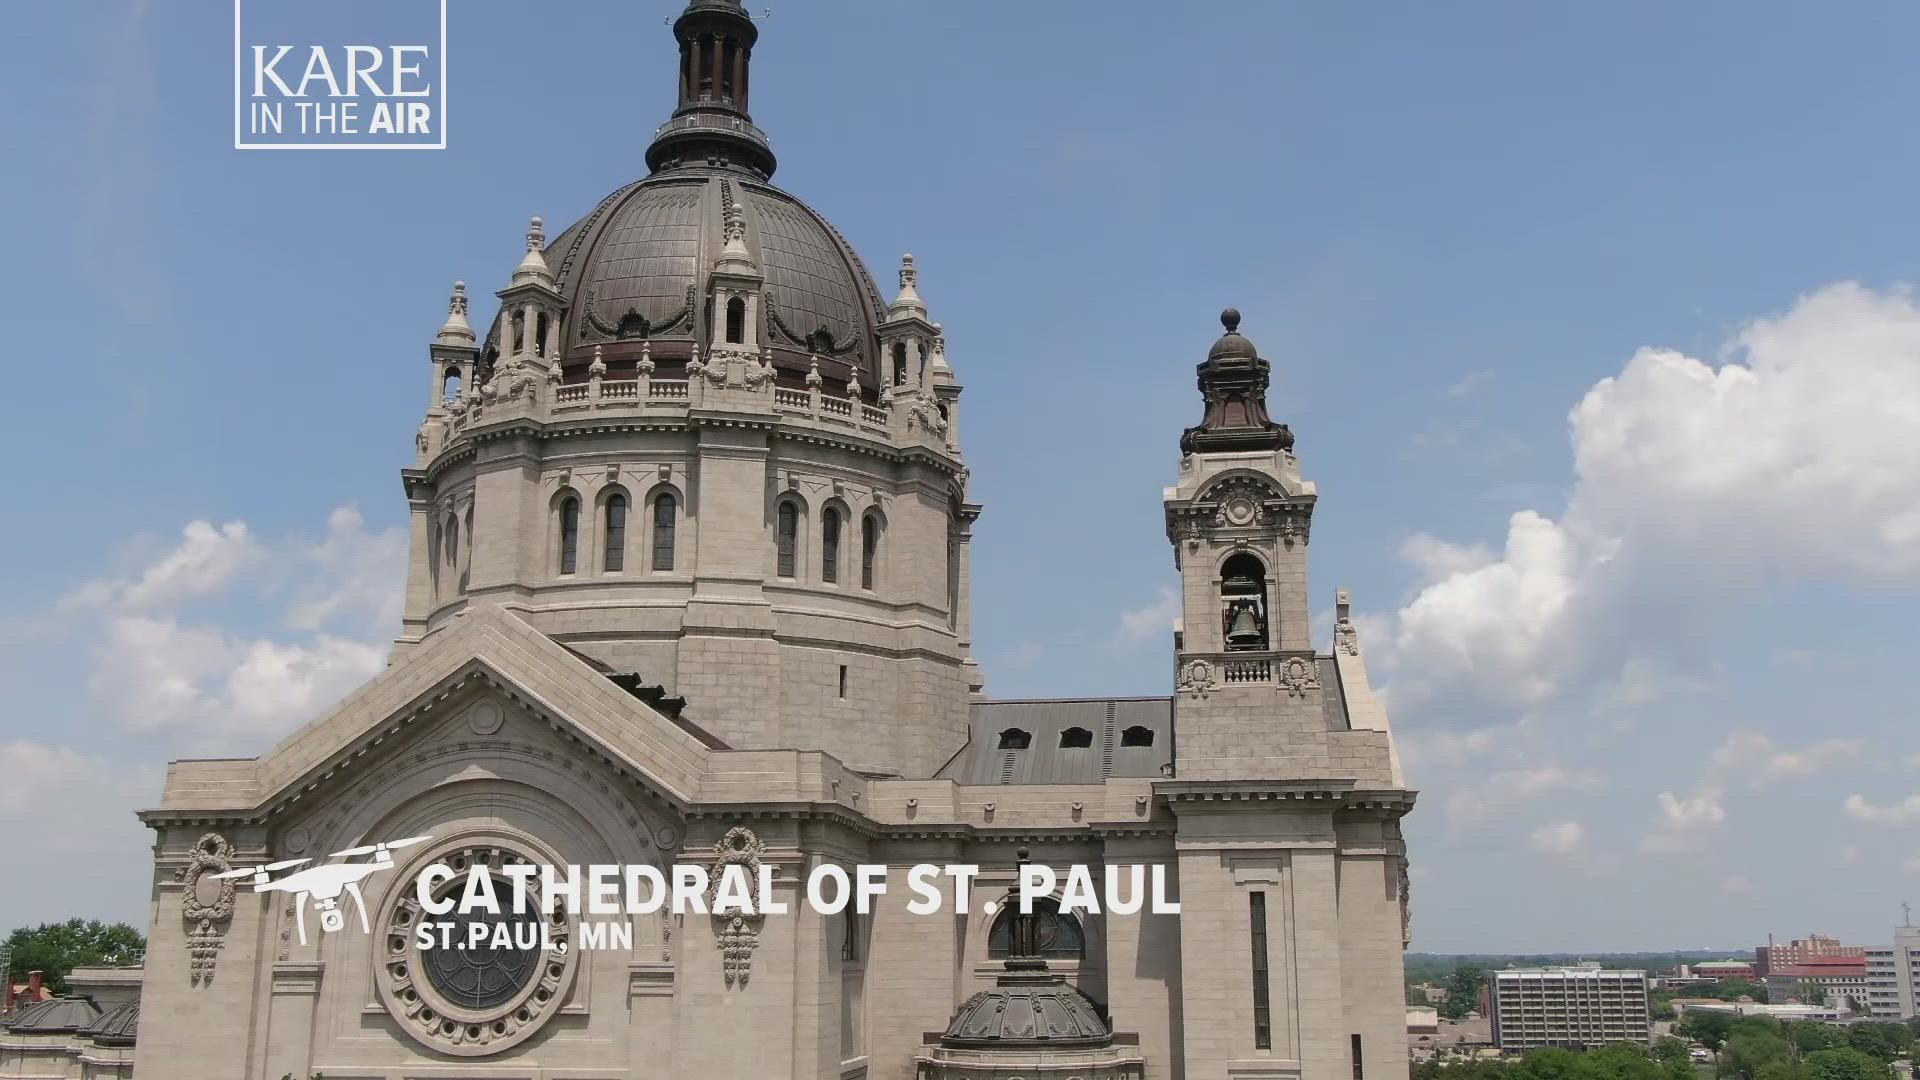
[736,934]
[427,1014]
[1299,675]
[1196,678]
[206,917]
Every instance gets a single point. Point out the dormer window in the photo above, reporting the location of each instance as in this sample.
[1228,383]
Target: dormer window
[1137,736]
[1076,738]
[1015,739]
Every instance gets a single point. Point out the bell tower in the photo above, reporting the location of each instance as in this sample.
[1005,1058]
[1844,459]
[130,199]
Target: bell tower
[1239,521]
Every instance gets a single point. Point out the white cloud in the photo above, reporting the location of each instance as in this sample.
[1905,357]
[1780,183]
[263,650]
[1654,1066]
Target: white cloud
[1859,809]
[1470,383]
[209,687]
[1509,787]
[1755,756]
[207,559]
[1792,460]
[1559,838]
[1747,757]
[1151,621]
[1685,819]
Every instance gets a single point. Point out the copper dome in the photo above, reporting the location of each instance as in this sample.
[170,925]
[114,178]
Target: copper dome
[636,268]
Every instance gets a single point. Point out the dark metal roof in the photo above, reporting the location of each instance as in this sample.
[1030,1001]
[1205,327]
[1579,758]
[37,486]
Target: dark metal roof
[1045,760]
[1028,1009]
[118,1027]
[54,1015]
[643,256]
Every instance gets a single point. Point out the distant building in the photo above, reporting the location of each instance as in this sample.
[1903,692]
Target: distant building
[1839,981]
[1892,971]
[1569,1006]
[1720,969]
[1770,957]
[1747,1007]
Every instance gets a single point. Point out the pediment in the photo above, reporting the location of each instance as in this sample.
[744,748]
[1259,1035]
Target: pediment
[489,655]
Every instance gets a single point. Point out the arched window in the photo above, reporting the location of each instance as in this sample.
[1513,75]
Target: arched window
[899,363]
[664,506]
[1057,932]
[519,331]
[1243,602]
[736,321]
[450,384]
[787,537]
[1137,736]
[569,534]
[453,540]
[540,335]
[869,549]
[1076,738]
[1015,739]
[830,545]
[616,549]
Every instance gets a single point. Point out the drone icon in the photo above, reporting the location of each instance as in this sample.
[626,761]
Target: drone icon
[324,883]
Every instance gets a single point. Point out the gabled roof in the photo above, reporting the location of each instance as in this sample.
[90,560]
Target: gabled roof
[487,643]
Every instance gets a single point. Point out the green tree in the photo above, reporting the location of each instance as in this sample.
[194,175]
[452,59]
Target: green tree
[1871,1040]
[1709,1029]
[1846,1063]
[1807,1036]
[1784,1069]
[1668,1049]
[1463,986]
[1748,1050]
[58,948]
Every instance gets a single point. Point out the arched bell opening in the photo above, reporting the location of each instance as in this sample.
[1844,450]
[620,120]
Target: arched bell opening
[1243,603]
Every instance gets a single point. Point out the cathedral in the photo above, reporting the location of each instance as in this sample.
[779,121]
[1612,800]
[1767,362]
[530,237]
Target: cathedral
[691,546]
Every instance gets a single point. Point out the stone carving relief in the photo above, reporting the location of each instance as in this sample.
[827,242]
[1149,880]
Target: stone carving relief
[1299,675]
[1196,677]
[1345,637]
[736,933]
[206,903]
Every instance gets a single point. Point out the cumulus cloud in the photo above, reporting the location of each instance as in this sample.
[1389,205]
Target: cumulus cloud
[207,559]
[1805,427]
[1152,620]
[1559,838]
[1859,809]
[1760,760]
[157,670]
[1510,787]
[1743,757]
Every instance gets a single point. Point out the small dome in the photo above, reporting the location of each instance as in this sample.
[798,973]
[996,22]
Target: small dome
[55,1015]
[1037,1010]
[1231,345]
[117,1027]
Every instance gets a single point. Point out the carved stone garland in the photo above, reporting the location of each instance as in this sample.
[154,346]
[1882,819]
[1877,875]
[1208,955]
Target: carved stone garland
[1345,637]
[736,933]
[1299,676]
[1196,678]
[206,921]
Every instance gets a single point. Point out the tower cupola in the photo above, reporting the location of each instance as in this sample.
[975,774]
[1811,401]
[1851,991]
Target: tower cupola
[1233,383]
[710,126]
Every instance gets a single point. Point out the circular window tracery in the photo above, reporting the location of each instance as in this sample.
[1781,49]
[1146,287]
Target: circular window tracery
[478,1000]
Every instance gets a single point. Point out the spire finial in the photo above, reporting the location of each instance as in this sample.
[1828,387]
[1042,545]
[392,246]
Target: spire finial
[456,330]
[1230,318]
[909,299]
[534,266]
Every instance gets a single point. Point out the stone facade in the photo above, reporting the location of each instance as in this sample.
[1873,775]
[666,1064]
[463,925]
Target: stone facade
[789,685]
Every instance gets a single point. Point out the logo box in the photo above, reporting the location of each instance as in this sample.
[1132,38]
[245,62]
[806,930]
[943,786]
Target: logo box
[340,75]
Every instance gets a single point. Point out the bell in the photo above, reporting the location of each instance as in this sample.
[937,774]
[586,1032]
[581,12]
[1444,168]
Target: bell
[1243,628]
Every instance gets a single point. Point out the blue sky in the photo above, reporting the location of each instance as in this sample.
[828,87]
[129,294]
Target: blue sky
[1618,466]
